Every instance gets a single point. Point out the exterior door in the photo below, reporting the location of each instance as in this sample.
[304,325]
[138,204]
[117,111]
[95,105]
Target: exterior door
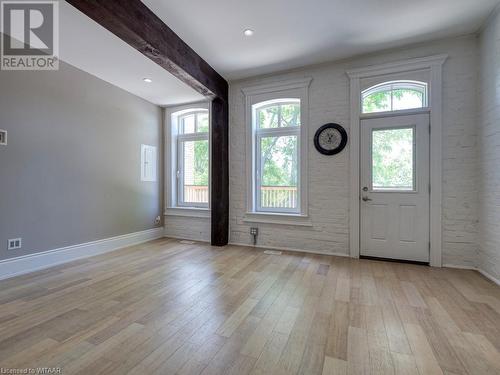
[395,187]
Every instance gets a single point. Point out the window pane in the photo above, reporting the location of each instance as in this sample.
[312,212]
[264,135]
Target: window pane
[196,171]
[377,102]
[279,163]
[188,123]
[290,115]
[268,117]
[395,96]
[202,124]
[407,99]
[393,159]
[279,115]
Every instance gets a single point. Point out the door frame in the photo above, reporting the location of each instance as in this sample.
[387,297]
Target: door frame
[434,65]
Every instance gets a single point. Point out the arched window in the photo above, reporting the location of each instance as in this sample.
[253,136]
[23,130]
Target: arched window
[394,96]
[276,133]
[191,160]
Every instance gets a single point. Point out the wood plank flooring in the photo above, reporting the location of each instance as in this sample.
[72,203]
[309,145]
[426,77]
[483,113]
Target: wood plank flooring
[169,308]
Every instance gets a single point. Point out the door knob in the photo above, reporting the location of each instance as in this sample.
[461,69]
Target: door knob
[366,199]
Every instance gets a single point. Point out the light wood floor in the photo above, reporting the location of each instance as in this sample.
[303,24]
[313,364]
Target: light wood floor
[167,308]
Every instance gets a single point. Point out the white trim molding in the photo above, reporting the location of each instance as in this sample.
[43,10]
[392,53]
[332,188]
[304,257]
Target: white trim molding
[279,219]
[272,92]
[433,65]
[171,153]
[481,271]
[181,238]
[35,262]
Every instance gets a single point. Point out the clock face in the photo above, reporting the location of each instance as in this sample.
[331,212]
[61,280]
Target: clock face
[330,139]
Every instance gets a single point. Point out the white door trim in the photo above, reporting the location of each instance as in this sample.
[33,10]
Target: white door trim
[434,65]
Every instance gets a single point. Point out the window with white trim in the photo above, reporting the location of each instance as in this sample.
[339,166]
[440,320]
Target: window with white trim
[394,96]
[277,115]
[191,158]
[277,155]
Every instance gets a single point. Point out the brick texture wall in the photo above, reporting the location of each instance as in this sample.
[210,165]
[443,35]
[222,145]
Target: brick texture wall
[489,148]
[329,176]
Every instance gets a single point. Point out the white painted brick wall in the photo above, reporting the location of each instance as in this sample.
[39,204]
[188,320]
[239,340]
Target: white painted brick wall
[190,228]
[489,148]
[329,176]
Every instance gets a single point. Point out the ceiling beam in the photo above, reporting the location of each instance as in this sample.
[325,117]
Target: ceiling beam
[137,25]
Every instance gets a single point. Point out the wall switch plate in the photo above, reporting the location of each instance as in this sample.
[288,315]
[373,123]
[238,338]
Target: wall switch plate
[14,243]
[3,137]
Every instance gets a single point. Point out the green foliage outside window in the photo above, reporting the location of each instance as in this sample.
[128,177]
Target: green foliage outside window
[279,154]
[279,161]
[201,163]
[393,99]
[392,159]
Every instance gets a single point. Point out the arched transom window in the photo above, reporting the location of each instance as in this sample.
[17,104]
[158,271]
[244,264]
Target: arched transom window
[394,96]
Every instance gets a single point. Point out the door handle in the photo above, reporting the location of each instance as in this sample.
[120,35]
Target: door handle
[366,199]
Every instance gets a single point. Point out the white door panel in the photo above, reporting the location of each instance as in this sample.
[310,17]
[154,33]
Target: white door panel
[395,187]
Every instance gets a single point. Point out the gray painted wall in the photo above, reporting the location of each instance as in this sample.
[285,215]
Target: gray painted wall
[71,171]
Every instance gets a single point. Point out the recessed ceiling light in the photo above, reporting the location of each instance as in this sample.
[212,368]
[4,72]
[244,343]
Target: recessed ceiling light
[248,32]
[147,80]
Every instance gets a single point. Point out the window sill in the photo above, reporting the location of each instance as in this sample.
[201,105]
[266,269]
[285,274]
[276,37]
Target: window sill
[188,211]
[280,219]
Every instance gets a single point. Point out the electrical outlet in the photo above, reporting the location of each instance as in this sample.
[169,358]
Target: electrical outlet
[3,137]
[254,232]
[157,220]
[14,243]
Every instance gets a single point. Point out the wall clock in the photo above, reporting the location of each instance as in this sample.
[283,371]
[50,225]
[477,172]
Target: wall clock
[330,139]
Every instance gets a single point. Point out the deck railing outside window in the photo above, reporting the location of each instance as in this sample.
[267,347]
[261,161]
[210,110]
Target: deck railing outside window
[272,196]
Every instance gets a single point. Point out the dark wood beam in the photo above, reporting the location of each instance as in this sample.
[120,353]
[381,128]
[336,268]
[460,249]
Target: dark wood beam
[220,173]
[137,25]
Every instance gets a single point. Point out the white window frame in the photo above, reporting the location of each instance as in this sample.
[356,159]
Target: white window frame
[181,139]
[433,66]
[258,134]
[257,97]
[175,204]
[422,87]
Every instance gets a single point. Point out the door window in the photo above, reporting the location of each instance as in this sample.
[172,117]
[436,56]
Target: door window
[393,159]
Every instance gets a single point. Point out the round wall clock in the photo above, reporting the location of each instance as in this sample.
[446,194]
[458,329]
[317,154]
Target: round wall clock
[330,139]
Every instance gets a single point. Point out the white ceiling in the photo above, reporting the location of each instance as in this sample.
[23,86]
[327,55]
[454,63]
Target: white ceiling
[293,33]
[93,49]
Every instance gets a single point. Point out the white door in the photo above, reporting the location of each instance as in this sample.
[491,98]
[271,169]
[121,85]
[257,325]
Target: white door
[395,187]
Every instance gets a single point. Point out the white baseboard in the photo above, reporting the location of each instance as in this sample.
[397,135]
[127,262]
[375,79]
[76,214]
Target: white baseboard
[190,238]
[482,272]
[459,267]
[318,252]
[488,276]
[34,262]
